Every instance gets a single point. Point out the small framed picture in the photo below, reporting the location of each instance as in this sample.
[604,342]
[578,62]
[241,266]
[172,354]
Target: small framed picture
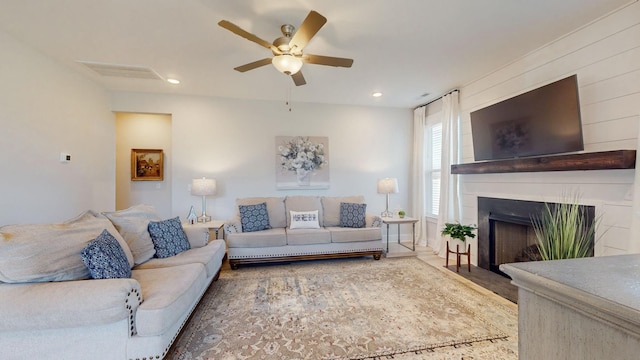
[147,165]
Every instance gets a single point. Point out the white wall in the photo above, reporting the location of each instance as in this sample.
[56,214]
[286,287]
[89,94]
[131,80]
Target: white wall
[142,131]
[46,109]
[233,141]
[606,57]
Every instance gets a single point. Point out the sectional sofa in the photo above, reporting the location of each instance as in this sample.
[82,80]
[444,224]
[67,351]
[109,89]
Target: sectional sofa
[52,308]
[276,229]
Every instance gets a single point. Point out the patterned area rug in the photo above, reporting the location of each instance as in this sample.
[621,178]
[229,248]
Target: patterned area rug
[398,308]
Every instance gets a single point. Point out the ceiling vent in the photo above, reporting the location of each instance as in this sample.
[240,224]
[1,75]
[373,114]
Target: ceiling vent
[126,71]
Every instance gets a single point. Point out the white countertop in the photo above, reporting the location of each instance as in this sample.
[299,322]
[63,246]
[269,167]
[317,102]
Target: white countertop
[616,278]
[605,286]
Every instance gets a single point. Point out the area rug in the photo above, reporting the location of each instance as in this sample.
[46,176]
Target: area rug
[398,308]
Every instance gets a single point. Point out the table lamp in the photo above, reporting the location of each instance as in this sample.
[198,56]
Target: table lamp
[204,187]
[387,186]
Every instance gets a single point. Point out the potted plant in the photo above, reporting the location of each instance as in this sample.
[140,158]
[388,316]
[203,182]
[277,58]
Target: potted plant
[563,230]
[401,214]
[459,231]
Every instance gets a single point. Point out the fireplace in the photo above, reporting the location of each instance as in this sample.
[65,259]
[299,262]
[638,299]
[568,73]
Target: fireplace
[505,232]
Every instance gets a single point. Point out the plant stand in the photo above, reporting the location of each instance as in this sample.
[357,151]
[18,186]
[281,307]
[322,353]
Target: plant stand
[458,254]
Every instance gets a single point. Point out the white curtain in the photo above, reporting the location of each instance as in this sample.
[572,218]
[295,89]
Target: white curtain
[449,192]
[417,170]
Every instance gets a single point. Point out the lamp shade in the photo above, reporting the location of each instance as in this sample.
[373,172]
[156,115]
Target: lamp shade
[388,186]
[287,64]
[203,187]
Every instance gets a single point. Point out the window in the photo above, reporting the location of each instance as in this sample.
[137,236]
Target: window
[433,152]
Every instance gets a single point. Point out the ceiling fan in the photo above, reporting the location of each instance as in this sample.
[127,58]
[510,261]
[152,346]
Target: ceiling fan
[287,50]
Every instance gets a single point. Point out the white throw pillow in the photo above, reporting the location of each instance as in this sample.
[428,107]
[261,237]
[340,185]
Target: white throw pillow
[304,220]
[132,224]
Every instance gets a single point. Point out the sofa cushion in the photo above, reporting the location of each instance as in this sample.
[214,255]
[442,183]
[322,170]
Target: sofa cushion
[168,237]
[51,252]
[304,220]
[254,217]
[271,237]
[105,258]
[275,209]
[308,236]
[331,207]
[167,295]
[210,256]
[303,203]
[353,215]
[345,234]
[132,224]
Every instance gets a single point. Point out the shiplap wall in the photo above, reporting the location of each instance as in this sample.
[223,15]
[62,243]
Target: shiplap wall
[606,57]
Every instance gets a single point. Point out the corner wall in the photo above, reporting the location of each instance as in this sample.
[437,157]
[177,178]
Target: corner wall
[233,141]
[606,57]
[46,109]
[142,131]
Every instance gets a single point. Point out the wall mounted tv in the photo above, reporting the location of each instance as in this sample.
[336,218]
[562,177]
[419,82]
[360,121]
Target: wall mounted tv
[542,121]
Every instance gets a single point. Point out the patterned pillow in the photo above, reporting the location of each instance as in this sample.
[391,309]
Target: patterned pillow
[352,215]
[304,220]
[105,258]
[168,237]
[254,217]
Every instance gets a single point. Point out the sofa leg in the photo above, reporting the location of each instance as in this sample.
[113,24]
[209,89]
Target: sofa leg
[233,265]
[217,276]
[376,256]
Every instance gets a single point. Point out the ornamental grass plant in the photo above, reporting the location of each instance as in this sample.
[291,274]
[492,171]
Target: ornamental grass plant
[563,230]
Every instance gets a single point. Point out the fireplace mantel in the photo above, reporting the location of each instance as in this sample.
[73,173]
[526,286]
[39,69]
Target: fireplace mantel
[603,160]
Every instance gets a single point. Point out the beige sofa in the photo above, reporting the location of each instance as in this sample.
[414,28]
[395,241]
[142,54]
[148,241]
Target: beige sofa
[282,241]
[51,309]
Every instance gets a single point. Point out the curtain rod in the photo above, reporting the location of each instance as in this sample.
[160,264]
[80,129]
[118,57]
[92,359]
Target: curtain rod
[436,99]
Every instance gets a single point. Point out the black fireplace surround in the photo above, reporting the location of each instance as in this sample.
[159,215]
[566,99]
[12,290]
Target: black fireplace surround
[494,210]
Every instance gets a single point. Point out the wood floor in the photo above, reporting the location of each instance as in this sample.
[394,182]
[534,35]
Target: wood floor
[489,280]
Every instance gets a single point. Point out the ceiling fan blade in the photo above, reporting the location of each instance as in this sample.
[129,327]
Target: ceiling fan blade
[247,35]
[327,60]
[309,27]
[298,79]
[253,65]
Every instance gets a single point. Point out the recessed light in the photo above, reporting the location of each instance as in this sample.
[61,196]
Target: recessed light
[376,94]
[173,81]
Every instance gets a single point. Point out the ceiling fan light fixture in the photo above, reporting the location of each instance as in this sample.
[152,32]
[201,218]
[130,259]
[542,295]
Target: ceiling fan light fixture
[287,64]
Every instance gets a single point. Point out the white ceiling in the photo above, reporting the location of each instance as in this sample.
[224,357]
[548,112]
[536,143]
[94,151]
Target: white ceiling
[403,48]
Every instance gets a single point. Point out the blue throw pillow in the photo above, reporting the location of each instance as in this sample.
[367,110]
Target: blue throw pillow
[105,258]
[168,237]
[353,215]
[254,217]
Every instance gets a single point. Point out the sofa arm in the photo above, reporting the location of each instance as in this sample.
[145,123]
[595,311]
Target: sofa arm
[232,226]
[373,220]
[198,236]
[66,304]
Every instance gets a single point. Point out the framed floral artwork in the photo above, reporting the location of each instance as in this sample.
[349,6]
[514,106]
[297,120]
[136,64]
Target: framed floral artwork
[302,162]
[147,164]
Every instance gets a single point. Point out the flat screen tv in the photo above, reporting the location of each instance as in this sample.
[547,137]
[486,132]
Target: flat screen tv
[542,121]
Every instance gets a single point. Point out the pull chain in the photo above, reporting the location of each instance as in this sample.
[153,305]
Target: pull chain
[288,98]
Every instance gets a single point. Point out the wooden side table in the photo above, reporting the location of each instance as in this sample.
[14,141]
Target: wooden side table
[398,221]
[458,255]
